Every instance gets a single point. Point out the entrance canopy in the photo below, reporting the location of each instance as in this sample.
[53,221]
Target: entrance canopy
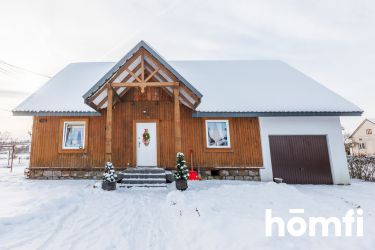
[142,67]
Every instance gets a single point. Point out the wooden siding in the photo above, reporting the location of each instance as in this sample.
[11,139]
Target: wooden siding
[245,137]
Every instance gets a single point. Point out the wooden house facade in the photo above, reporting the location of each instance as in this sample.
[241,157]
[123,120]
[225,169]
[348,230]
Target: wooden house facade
[142,111]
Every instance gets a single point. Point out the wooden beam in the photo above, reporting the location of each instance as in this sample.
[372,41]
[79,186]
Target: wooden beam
[190,93]
[124,92]
[125,66]
[189,103]
[157,74]
[177,121]
[127,79]
[101,103]
[92,105]
[113,77]
[170,75]
[152,74]
[97,93]
[116,95]
[161,66]
[108,128]
[143,67]
[133,75]
[144,84]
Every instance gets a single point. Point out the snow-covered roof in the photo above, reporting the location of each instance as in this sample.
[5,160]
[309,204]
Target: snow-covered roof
[237,88]
[259,86]
[62,94]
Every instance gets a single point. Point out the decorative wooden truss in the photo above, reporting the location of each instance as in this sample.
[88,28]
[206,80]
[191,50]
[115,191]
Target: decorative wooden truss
[142,70]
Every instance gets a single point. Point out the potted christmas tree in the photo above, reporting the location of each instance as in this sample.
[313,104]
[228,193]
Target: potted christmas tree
[182,172]
[109,177]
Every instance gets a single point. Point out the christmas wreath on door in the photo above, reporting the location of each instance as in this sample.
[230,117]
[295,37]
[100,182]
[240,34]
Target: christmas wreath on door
[146,137]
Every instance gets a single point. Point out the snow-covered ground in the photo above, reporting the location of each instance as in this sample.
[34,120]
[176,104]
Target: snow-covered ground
[20,160]
[209,215]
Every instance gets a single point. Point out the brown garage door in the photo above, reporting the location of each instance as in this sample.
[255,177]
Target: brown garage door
[300,159]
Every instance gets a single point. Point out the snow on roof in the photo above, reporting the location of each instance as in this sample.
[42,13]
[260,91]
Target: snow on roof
[64,91]
[259,86]
[227,86]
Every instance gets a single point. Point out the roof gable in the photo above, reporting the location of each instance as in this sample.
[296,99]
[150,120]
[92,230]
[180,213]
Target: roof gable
[361,125]
[141,62]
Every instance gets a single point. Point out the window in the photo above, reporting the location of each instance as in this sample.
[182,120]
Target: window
[368,131]
[362,145]
[217,134]
[74,135]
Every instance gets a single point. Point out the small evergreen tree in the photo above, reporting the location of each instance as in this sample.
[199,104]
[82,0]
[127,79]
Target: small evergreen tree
[182,171]
[109,174]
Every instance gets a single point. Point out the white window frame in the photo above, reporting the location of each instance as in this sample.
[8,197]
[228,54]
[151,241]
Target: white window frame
[228,134]
[82,123]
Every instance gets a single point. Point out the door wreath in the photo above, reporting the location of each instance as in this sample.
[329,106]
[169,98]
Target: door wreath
[146,137]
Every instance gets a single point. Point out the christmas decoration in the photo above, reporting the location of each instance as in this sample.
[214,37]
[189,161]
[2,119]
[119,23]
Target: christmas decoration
[146,137]
[109,177]
[182,172]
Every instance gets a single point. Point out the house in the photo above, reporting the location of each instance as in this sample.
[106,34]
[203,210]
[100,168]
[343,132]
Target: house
[363,138]
[244,119]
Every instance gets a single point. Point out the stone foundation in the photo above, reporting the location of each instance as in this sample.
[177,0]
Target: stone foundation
[97,174]
[231,174]
[60,174]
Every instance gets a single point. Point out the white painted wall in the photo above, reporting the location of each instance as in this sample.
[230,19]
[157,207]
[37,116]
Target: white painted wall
[310,125]
[360,136]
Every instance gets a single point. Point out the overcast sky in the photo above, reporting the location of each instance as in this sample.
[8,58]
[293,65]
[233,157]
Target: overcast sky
[333,41]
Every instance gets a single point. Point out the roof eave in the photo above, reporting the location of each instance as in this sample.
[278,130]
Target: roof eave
[55,113]
[273,114]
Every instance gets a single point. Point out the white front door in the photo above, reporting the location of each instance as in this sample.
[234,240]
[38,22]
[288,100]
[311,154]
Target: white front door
[146,144]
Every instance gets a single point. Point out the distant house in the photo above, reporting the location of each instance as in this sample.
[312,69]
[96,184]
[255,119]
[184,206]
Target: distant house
[363,138]
[249,120]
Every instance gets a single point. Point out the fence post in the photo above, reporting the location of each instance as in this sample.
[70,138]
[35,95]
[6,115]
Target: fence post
[11,164]
[8,157]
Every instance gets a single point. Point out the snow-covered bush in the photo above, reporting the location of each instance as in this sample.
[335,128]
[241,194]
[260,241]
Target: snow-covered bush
[109,174]
[182,171]
[362,167]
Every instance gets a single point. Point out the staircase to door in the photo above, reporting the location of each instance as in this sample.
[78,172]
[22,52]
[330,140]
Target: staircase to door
[143,177]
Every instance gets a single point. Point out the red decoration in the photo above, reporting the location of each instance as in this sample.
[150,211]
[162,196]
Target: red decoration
[193,175]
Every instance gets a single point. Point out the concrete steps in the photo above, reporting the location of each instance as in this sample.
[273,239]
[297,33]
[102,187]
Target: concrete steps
[143,177]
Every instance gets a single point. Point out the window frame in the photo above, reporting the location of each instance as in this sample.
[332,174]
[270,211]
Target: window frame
[62,131]
[369,131]
[218,148]
[362,145]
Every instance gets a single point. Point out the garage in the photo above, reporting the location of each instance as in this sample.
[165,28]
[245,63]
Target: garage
[300,159]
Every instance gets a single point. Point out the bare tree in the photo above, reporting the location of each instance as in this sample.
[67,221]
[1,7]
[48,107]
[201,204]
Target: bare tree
[5,137]
[348,142]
